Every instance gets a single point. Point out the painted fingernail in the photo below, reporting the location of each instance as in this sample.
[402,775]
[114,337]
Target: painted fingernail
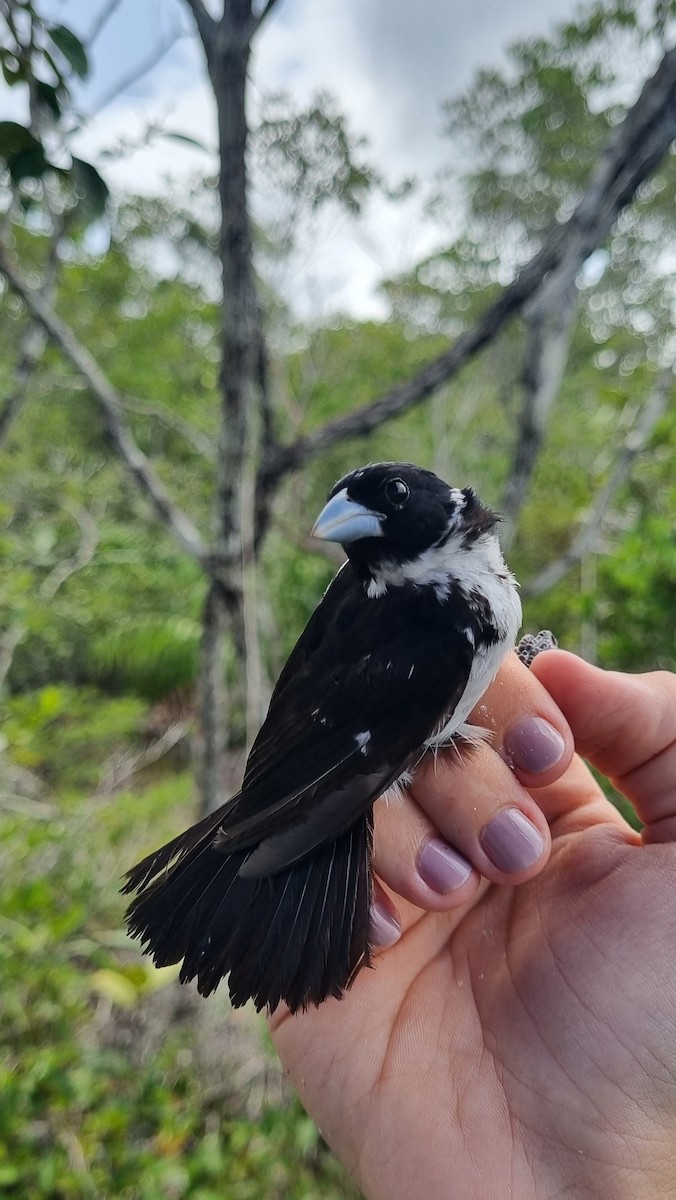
[385,928]
[511,841]
[533,745]
[441,867]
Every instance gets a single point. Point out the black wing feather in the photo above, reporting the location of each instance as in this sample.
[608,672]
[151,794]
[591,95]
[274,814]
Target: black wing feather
[274,889]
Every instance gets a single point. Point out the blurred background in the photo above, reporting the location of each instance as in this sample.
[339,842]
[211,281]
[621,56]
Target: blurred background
[243,251]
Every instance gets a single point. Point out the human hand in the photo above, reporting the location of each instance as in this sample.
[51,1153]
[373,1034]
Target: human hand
[519,1038]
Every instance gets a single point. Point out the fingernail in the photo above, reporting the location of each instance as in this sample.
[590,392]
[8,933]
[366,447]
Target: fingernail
[385,929]
[441,867]
[511,841]
[533,745]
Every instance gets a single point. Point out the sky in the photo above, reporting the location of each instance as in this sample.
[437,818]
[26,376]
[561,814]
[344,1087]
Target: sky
[390,64]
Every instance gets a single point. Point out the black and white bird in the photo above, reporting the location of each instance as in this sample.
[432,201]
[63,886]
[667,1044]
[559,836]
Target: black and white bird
[274,888]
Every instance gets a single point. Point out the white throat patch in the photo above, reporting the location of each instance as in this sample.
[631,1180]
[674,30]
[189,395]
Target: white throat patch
[477,567]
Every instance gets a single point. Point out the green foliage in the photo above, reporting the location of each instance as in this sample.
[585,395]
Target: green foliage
[309,155]
[70,47]
[104,608]
[528,139]
[63,492]
[638,592]
[83,1113]
[38,57]
[152,657]
[22,153]
[65,734]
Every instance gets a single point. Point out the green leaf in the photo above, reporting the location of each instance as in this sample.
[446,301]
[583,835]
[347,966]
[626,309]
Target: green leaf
[91,189]
[14,138]
[71,47]
[13,70]
[49,95]
[23,153]
[114,986]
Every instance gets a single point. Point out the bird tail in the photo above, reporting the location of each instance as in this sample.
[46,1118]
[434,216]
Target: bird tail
[297,936]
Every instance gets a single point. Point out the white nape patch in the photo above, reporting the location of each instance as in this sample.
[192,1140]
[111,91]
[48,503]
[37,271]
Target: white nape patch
[362,740]
[457,497]
[469,634]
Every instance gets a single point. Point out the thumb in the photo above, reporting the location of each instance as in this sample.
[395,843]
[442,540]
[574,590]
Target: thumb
[625,726]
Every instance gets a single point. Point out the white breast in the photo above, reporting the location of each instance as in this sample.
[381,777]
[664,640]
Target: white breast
[483,571]
[484,669]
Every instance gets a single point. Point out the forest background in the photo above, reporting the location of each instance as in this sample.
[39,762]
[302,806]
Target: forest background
[165,444]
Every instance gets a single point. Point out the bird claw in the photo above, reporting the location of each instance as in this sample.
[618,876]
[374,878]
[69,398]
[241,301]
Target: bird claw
[532,644]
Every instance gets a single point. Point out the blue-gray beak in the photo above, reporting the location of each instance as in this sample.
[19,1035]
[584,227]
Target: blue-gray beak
[343,520]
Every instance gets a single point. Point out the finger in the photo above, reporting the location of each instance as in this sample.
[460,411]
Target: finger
[481,809]
[414,851]
[625,725]
[528,729]
[385,919]
[413,859]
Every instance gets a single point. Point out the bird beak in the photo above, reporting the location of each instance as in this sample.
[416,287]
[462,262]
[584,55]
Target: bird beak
[343,520]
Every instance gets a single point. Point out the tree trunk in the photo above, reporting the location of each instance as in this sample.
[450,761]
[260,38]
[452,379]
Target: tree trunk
[245,409]
[209,742]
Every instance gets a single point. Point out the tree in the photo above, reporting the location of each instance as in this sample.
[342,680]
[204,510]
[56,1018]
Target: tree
[253,458]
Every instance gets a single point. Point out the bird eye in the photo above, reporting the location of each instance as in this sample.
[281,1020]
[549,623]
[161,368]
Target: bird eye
[397,492]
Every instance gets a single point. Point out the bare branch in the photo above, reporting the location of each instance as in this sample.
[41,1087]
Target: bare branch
[206,25]
[34,340]
[199,441]
[264,13]
[111,407]
[84,554]
[11,638]
[587,537]
[16,632]
[138,72]
[101,20]
[635,149]
[122,769]
[30,353]
[549,324]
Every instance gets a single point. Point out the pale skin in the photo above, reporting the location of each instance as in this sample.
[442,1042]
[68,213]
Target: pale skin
[517,1038]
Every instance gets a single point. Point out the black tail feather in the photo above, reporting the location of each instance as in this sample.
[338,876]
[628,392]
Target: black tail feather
[297,936]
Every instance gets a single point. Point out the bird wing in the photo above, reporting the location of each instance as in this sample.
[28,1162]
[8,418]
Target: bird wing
[340,592]
[361,691]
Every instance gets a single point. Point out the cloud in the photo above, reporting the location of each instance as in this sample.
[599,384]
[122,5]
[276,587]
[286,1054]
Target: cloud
[390,63]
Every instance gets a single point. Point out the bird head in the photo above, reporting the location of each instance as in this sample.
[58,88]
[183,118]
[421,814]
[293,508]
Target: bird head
[394,512]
